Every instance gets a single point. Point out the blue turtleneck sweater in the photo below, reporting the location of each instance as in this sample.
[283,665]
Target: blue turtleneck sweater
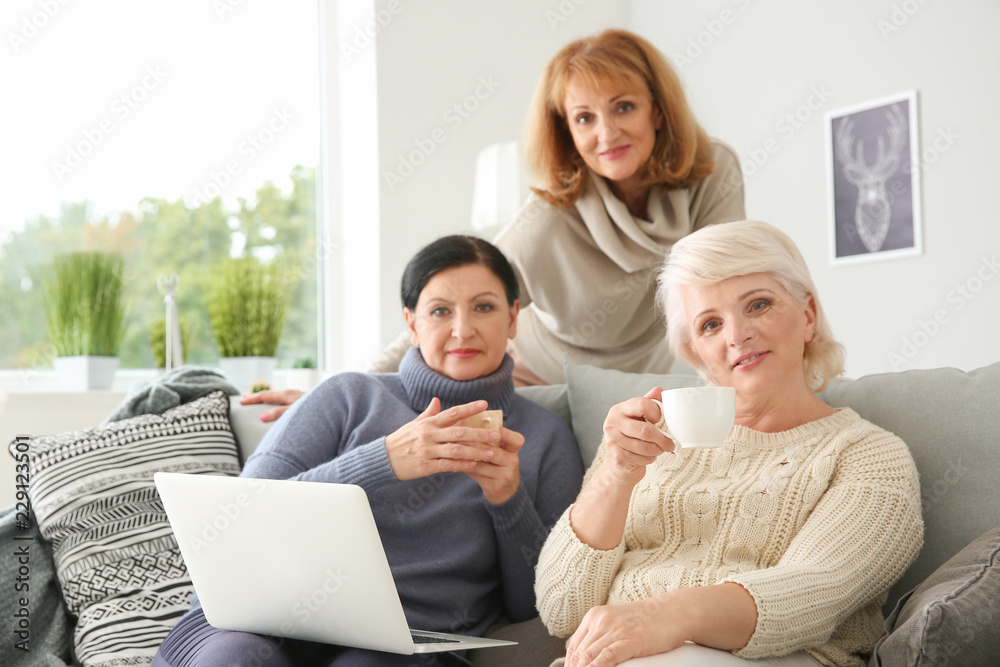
[458,561]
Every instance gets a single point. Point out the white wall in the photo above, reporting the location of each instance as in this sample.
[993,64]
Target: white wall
[758,62]
[763,60]
[429,57]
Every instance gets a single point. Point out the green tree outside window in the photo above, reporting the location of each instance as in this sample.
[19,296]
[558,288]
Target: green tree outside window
[165,237]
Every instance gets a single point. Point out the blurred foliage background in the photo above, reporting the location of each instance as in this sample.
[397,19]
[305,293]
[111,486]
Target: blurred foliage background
[161,238]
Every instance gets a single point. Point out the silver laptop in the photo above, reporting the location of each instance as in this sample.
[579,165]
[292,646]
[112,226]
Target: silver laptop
[293,559]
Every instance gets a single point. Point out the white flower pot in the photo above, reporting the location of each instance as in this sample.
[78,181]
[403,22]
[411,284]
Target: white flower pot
[85,372]
[244,371]
[302,379]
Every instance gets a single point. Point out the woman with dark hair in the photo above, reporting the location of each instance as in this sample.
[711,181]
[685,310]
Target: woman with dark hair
[625,171]
[487,498]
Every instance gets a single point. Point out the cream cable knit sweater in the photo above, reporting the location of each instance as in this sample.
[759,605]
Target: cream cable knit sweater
[816,523]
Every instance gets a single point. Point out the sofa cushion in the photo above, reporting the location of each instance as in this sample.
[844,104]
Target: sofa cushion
[535,646]
[950,421]
[950,618]
[593,391]
[555,397]
[115,554]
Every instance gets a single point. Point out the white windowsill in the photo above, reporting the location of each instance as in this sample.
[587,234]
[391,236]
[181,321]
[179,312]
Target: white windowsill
[29,381]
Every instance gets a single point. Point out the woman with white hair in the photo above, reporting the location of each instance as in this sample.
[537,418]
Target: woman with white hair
[780,544]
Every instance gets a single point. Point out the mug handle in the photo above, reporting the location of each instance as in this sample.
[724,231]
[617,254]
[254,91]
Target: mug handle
[661,425]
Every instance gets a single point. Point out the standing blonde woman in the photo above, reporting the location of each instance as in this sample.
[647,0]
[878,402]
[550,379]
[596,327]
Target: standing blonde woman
[624,171]
[782,543]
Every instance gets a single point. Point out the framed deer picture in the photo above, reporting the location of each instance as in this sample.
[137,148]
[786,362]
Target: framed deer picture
[874,180]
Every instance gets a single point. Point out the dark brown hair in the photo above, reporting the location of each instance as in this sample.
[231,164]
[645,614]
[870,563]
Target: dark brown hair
[453,251]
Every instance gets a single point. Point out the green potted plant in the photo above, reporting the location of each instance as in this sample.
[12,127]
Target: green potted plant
[247,301]
[156,331]
[85,314]
[302,375]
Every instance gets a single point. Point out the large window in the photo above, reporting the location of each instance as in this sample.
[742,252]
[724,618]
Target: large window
[176,133]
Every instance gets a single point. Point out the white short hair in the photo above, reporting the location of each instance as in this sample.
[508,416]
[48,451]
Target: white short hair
[719,252]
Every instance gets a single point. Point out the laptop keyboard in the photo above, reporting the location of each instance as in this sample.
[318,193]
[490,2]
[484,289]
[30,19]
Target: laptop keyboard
[431,639]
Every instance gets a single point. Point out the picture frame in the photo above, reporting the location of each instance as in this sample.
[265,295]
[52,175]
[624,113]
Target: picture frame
[874,180]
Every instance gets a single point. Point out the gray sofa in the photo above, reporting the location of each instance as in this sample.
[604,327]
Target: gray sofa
[942,611]
[950,420]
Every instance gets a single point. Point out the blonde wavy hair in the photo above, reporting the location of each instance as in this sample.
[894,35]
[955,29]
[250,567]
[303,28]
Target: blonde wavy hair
[682,153]
[718,252]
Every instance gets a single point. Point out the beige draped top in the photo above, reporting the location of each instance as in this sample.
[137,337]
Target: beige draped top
[587,273]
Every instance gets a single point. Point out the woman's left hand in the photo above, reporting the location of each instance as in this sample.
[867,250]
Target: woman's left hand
[611,634]
[500,477]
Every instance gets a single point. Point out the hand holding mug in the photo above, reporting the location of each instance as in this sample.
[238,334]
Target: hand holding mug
[697,416]
[435,442]
[631,441]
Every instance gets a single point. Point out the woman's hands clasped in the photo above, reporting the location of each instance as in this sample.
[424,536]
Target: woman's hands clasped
[432,443]
[631,441]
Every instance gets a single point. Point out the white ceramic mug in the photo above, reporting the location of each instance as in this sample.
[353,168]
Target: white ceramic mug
[698,416]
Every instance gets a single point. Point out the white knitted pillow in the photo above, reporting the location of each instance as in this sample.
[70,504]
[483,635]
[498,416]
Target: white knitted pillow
[115,554]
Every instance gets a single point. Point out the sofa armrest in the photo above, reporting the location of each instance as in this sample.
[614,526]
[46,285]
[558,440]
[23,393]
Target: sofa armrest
[247,426]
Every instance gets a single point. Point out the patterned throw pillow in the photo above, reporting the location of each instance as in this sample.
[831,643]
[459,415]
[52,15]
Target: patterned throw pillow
[116,557]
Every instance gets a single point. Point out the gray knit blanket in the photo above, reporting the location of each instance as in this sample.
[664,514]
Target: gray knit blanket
[26,559]
[180,385]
